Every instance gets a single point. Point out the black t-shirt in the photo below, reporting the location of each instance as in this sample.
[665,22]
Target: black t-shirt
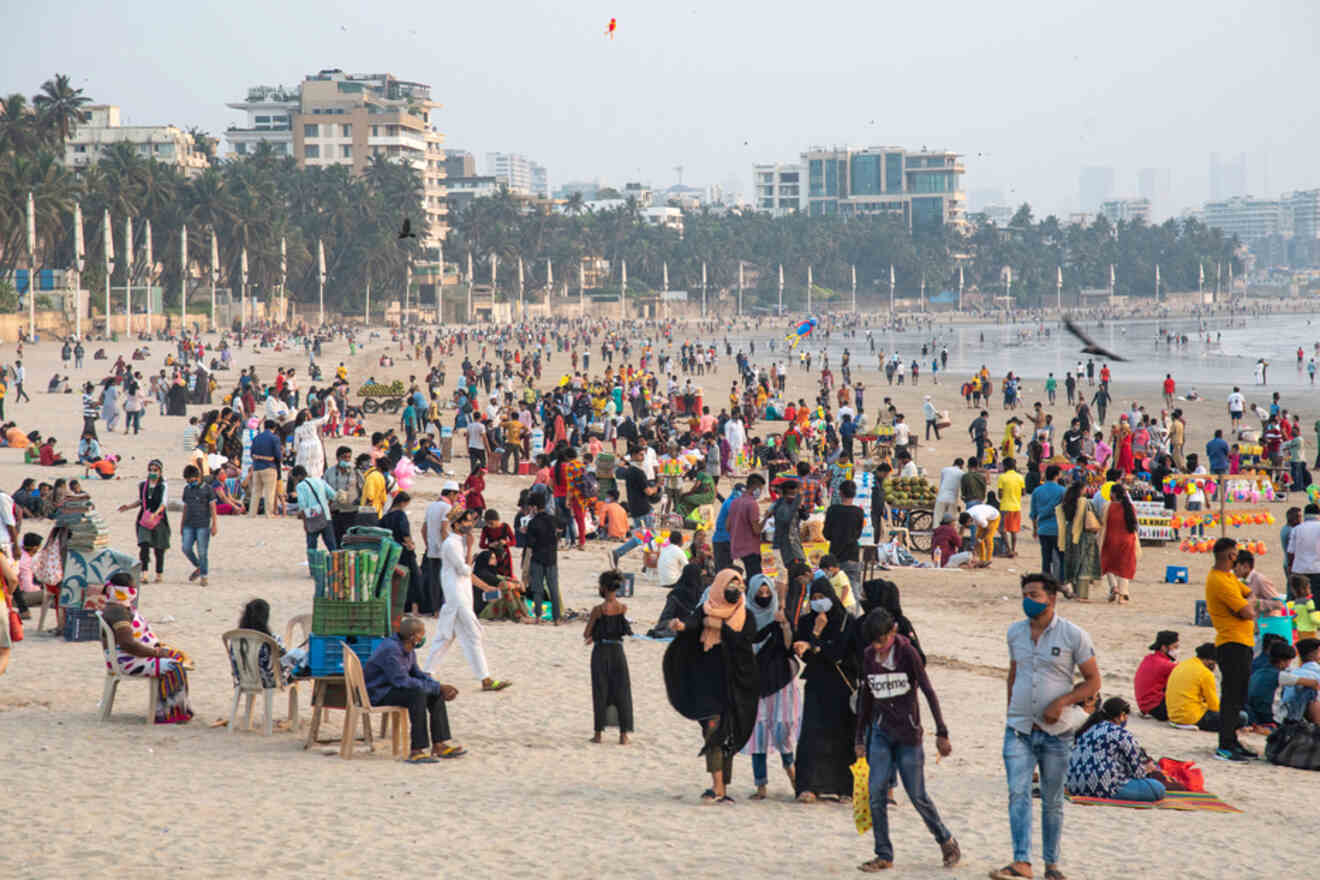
[843,526]
[639,503]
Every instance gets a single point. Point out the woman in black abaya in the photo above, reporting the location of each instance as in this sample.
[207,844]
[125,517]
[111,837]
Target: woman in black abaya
[826,640]
[710,677]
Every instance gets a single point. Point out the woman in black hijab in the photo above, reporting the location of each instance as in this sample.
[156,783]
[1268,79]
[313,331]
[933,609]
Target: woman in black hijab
[881,593]
[825,639]
[710,677]
[685,596]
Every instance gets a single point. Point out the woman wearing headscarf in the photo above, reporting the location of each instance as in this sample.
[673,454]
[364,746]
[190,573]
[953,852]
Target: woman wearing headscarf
[140,652]
[826,640]
[153,524]
[710,677]
[686,595]
[1078,530]
[884,594]
[779,712]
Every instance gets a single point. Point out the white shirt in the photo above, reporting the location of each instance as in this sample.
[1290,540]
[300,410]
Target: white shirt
[909,470]
[1304,544]
[650,461]
[900,434]
[456,574]
[982,515]
[671,563]
[476,432]
[436,512]
[950,484]
[7,521]
[1236,402]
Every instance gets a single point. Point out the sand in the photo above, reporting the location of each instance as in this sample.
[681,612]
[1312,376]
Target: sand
[533,797]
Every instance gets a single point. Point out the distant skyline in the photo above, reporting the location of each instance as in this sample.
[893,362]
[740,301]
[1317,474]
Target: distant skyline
[1042,91]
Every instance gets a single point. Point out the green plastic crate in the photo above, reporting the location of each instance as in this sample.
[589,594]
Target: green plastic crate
[331,617]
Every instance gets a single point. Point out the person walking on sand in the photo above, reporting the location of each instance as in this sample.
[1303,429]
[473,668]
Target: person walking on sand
[1044,649]
[458,621]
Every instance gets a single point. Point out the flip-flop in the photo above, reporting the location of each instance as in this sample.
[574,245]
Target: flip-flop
[726,800]
[496,685]
[422,759]
[452,752]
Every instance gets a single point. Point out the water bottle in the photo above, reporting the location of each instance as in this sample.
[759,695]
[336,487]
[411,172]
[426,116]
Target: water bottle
[939,557]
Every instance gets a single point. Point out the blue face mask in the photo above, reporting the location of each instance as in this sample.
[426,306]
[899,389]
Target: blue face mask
[1032,608]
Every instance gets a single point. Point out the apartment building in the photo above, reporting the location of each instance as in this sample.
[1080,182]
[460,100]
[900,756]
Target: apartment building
[1127,209]
[923,187]
[777,188]
[518,174]
[101,127]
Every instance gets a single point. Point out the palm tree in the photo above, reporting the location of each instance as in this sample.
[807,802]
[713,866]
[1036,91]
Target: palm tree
[18,126]
[60,106]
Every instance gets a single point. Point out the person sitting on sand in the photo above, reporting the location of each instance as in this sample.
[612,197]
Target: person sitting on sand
[89,449]
[394,679]
[48,456]
[1106,761]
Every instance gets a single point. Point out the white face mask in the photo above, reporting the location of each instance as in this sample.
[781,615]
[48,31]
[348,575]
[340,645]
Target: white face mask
[1173,655]
[820,606]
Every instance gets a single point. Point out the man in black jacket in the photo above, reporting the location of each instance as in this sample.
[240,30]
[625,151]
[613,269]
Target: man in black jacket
[844,523]
[543,571]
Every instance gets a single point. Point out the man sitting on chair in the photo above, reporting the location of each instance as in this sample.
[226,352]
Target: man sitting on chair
[393,678]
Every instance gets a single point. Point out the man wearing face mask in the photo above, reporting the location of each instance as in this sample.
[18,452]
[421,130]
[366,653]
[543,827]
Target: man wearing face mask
[1043,652]
[1152,678]
[393,679]
[199,522]
[346,483]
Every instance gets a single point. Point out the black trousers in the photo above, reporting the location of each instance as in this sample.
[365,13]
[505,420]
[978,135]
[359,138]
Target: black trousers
[751,564]
[1049,552]
[342,520]
[431,579]
[144,556]
[421,708]
[723,555]
[1234,670]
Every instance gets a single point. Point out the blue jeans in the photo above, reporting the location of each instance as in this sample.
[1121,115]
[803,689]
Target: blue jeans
[200,537]
[761,773]
[883,754]
[633,542]
[1022,754]
[1140,790]
[327,535]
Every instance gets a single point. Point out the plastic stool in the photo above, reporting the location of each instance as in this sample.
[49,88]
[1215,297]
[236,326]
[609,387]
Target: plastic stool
[1175,574]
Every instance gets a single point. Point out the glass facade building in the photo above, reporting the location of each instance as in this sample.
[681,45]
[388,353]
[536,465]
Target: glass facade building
[923,188]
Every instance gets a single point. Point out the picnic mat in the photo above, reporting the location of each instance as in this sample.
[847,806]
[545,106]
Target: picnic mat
[1173,800]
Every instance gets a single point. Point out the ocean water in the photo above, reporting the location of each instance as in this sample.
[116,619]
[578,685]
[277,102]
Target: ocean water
[1227,358]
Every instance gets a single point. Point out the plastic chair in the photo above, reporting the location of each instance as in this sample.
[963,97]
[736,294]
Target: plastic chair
[357,704]
[114,674]
[252,676]
[302,623]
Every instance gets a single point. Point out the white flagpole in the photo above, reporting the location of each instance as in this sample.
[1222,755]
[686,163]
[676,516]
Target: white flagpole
[810,284]
[320,286]
[108,245]
[183,281]
[549,286]
[79,262]
[623,289]
[852,271]
[582,290]
[215,273]
[891,292]
[664,286]
[960,287]
[242,301]
[703,290]
[522,302]
[32,265]
[440,286]
[923,293]
[740,288]
[1157,282]
[1111,279]
[151,271]
[128,275]
[284,279]
[781,289]
[1058,289]
[407,287]
[493,288]
[469,285]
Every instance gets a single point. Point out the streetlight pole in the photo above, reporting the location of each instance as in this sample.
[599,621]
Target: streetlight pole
[108,246]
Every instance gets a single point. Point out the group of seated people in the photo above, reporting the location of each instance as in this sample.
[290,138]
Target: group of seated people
[41,500]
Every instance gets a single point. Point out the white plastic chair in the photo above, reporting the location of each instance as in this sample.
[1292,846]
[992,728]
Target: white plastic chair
[114,674]
[302,624]
[252,676]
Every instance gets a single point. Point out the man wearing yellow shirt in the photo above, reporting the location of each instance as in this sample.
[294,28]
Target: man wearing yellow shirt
[1009,487]
[1190,694]
[1228,602]
[375,488]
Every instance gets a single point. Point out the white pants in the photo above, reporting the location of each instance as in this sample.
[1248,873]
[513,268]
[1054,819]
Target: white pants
[941,508]
[459,622]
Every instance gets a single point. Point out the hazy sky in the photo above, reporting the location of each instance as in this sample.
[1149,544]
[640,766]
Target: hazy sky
[1030,91]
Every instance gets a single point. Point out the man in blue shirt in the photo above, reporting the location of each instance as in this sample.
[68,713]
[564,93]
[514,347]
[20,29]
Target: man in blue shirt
[720,542]
[1217,451]
[1044,524]
[266,452]
[393,678]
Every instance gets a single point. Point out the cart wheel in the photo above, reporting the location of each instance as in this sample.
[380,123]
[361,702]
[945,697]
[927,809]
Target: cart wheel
[921,529]
[393,405]
[370,405]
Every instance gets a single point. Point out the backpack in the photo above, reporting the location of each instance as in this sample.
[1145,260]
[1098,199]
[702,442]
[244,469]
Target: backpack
[1294,744]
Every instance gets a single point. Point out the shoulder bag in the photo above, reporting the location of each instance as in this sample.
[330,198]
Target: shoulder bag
[314,520]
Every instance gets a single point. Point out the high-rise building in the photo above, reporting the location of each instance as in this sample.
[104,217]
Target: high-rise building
[777,188]
[1156,185]
[1094,185]
[1304,206]
[1248,218]
[924,187]
[460,163]
[518,174]
[100,127]
[349,119]
[1126,210]
[1228,179]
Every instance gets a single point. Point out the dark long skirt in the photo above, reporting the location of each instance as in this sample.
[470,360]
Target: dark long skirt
[825,747]
[611,686]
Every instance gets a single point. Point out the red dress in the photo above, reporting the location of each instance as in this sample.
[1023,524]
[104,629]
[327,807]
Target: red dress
[1125,460]
[1118,554]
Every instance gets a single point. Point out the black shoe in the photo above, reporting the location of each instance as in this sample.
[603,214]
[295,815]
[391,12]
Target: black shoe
[1250,753]
[1234,755]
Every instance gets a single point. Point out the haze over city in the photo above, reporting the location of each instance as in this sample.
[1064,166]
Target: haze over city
[1030,93]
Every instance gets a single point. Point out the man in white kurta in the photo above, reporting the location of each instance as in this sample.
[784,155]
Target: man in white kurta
[458,621]
[736,436]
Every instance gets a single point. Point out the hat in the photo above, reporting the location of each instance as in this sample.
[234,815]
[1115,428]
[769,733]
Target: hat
[214,460]
[1164,638]
[947,518]
[449,486]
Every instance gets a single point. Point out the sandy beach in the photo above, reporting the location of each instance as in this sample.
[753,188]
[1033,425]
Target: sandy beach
[534,798]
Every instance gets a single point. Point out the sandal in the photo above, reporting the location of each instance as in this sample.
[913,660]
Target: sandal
[1008,872]
[496,685]
[806,798]
[452,752]
[876,864]
[708,796]
[756,796]
[421,759]
[726,800]
[1054,874]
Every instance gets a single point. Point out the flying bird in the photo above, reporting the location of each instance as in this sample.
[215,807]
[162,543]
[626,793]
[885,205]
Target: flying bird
[1089,346]
[406,231]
